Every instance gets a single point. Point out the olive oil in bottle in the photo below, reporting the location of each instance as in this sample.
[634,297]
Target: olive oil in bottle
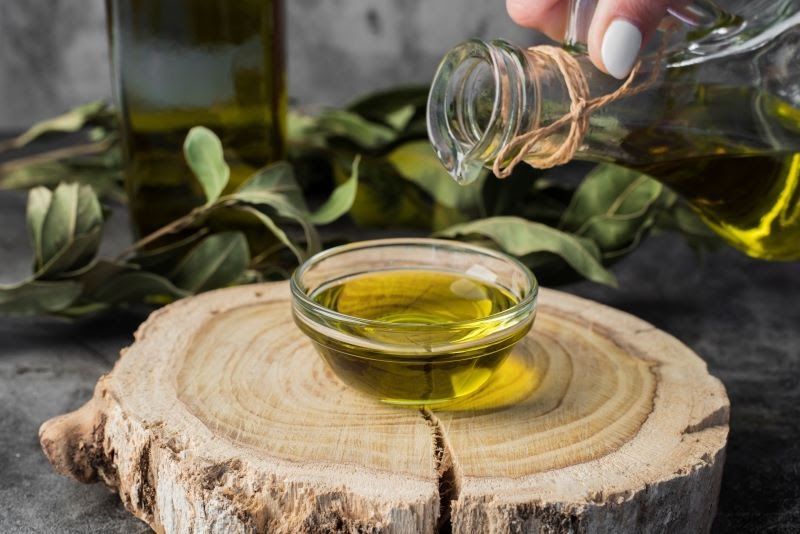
[753,202]
[430,309]
[746,188]
[212,63]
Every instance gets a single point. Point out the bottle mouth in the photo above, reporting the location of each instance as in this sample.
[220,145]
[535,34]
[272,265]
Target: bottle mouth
[472,106]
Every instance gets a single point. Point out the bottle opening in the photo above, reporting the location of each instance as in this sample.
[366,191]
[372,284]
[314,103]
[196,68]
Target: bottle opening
[475,104]
[462,109]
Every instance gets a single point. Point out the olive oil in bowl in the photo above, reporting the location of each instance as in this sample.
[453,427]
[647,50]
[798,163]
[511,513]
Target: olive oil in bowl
[418,334]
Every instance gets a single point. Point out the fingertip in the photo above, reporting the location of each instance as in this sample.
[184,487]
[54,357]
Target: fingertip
[618,31]
[516,10]
[620,48]
[547,16]
[523,12]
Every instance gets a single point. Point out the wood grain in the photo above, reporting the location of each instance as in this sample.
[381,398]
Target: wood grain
[222,418]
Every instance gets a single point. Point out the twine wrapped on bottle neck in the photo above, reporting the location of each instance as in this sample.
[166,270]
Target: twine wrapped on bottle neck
[576,120]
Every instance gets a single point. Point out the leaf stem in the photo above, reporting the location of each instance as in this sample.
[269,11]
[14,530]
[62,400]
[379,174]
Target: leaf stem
[87,149]
[7,145]
[174,226]
[256,261]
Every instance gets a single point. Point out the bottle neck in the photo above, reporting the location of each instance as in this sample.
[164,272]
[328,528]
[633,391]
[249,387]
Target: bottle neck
[487,93]
[476,103]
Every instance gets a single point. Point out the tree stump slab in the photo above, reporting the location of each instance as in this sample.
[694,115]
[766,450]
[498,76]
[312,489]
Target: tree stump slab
[222,418]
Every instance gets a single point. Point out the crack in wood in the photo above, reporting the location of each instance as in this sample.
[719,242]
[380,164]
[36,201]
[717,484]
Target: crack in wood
[718,417]
[146,493]
[448,485]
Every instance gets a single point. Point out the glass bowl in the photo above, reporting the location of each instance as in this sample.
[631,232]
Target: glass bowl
[414,362]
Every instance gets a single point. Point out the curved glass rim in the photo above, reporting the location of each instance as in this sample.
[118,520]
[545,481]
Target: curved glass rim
[458,156]
[302,296]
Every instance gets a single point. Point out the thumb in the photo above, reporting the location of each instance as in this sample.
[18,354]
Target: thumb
[619,29]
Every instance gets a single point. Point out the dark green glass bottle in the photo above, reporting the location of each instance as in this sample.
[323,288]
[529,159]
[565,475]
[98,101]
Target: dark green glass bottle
[184,63]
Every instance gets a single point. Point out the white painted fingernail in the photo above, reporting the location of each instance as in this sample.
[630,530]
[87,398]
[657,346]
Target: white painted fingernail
[621,45]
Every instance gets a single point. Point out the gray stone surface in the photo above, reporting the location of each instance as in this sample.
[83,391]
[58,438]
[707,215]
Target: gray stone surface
[741,315]
[49,367]
[53,53]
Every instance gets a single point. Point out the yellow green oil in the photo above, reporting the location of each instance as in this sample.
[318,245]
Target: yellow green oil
[753,202]
[745,187]
[430,309]
[214,63]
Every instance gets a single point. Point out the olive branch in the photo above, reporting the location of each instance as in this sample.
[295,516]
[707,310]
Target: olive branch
[375,162]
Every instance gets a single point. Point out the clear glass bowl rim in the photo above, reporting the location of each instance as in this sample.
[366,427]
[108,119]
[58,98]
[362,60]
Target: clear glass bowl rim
[523,307]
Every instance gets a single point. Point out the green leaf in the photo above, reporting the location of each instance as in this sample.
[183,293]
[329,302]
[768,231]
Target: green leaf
[106,182]
[99,272]
[417,162]
[203,152]
[137,287]
[98,165]
[73,258]
[385,106]
[216,262]
[690,223]
[275,187]
[71,121]
[302,129]
[37,297]
[444,217]
[400,118]
[512,195]
[613,207]
[340,123]
[680,218]
[546,201]
[340,201]
[520,237]
[276,231]
[45,174]
[107,284]
[384,199]
[39,200]
[275,179]
[165,257]
[71,230]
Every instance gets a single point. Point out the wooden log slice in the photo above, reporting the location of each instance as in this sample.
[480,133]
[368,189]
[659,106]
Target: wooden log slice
[222,418]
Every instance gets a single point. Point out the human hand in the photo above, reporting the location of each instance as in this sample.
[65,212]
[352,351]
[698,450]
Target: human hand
[616,34]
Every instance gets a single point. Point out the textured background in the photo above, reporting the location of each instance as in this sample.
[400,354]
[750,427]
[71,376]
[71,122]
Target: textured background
[53,53]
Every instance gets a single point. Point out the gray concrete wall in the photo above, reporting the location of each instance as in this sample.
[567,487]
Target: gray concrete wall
[53,53]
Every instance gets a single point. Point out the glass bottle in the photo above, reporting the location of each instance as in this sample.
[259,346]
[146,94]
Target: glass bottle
[719,120]
[184,63]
